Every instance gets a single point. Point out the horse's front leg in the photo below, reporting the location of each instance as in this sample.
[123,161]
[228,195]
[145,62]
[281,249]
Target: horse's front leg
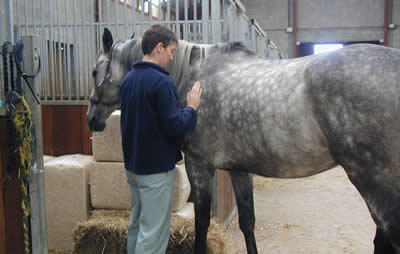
[200,175]
[243,187]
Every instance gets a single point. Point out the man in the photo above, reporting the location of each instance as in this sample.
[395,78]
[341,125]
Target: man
[152,126]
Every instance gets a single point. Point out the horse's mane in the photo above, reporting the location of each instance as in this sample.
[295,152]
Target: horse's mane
[232,47]
[184,54]
[181,62]
[186,50]
[131,53]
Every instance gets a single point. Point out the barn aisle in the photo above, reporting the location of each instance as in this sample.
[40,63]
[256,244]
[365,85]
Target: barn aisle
[317,214]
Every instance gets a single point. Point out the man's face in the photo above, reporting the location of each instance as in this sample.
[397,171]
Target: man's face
[167,54]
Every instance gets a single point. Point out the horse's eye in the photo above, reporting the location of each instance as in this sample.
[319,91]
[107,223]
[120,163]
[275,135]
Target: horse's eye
[94,72]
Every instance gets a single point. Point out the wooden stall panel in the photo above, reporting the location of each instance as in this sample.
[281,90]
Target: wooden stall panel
[65,130]
[3,145]
[11,228]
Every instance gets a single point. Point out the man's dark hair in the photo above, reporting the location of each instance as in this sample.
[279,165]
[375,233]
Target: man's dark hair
[155,34]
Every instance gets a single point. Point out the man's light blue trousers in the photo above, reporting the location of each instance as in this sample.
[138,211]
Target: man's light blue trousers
[148,230]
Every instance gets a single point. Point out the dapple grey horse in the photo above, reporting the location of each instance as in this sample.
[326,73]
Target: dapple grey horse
[279,118]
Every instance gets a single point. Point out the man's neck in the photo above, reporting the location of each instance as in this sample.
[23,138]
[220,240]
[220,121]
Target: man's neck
[151,59]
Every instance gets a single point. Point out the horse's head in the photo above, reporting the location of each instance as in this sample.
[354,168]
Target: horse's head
[112,64]
[116,60]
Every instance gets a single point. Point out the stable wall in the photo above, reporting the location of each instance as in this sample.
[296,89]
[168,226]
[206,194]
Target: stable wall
[325,21]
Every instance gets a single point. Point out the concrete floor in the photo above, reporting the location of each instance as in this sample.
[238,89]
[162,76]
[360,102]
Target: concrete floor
[318,214]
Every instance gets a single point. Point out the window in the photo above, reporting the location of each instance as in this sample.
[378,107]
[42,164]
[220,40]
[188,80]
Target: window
[155,6]
[128,2]
[322,48]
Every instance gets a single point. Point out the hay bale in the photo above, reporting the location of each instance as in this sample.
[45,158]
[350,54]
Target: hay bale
[182,188]
[182,237]
[105,232]
[67,197]
[47,158]
[107,145]
[108,186]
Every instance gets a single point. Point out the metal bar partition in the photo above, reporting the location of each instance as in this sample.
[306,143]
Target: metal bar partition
[70,37]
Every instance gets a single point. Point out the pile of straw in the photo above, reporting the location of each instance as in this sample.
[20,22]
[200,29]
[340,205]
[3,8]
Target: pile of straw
[59,252]
[182,237]
[105,232]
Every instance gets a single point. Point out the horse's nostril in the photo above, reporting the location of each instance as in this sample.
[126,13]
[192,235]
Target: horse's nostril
[94,124]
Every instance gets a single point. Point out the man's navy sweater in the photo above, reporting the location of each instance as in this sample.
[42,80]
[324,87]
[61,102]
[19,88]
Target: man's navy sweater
[152,121]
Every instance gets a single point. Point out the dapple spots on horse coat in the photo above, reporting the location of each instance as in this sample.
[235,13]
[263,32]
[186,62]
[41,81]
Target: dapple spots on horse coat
[256,119]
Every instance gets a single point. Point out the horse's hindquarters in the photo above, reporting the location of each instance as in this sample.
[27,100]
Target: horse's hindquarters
[355,96]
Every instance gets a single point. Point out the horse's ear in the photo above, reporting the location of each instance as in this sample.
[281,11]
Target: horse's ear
[133,36]
[107,40]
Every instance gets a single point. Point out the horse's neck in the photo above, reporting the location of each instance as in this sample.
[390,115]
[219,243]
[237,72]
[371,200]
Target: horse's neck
[131,53]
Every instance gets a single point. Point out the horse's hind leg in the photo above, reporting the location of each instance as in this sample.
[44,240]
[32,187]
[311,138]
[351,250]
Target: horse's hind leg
[377,181]
[358,115]
[200,175]
[386,216]
[243,186]
[382,244]
[380,188]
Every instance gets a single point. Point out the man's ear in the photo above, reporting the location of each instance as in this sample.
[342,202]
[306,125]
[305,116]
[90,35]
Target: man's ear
[159,46]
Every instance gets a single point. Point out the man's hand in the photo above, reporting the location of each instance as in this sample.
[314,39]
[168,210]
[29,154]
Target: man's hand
[193,97]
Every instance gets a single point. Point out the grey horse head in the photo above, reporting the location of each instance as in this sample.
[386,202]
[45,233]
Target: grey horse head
[112,64]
